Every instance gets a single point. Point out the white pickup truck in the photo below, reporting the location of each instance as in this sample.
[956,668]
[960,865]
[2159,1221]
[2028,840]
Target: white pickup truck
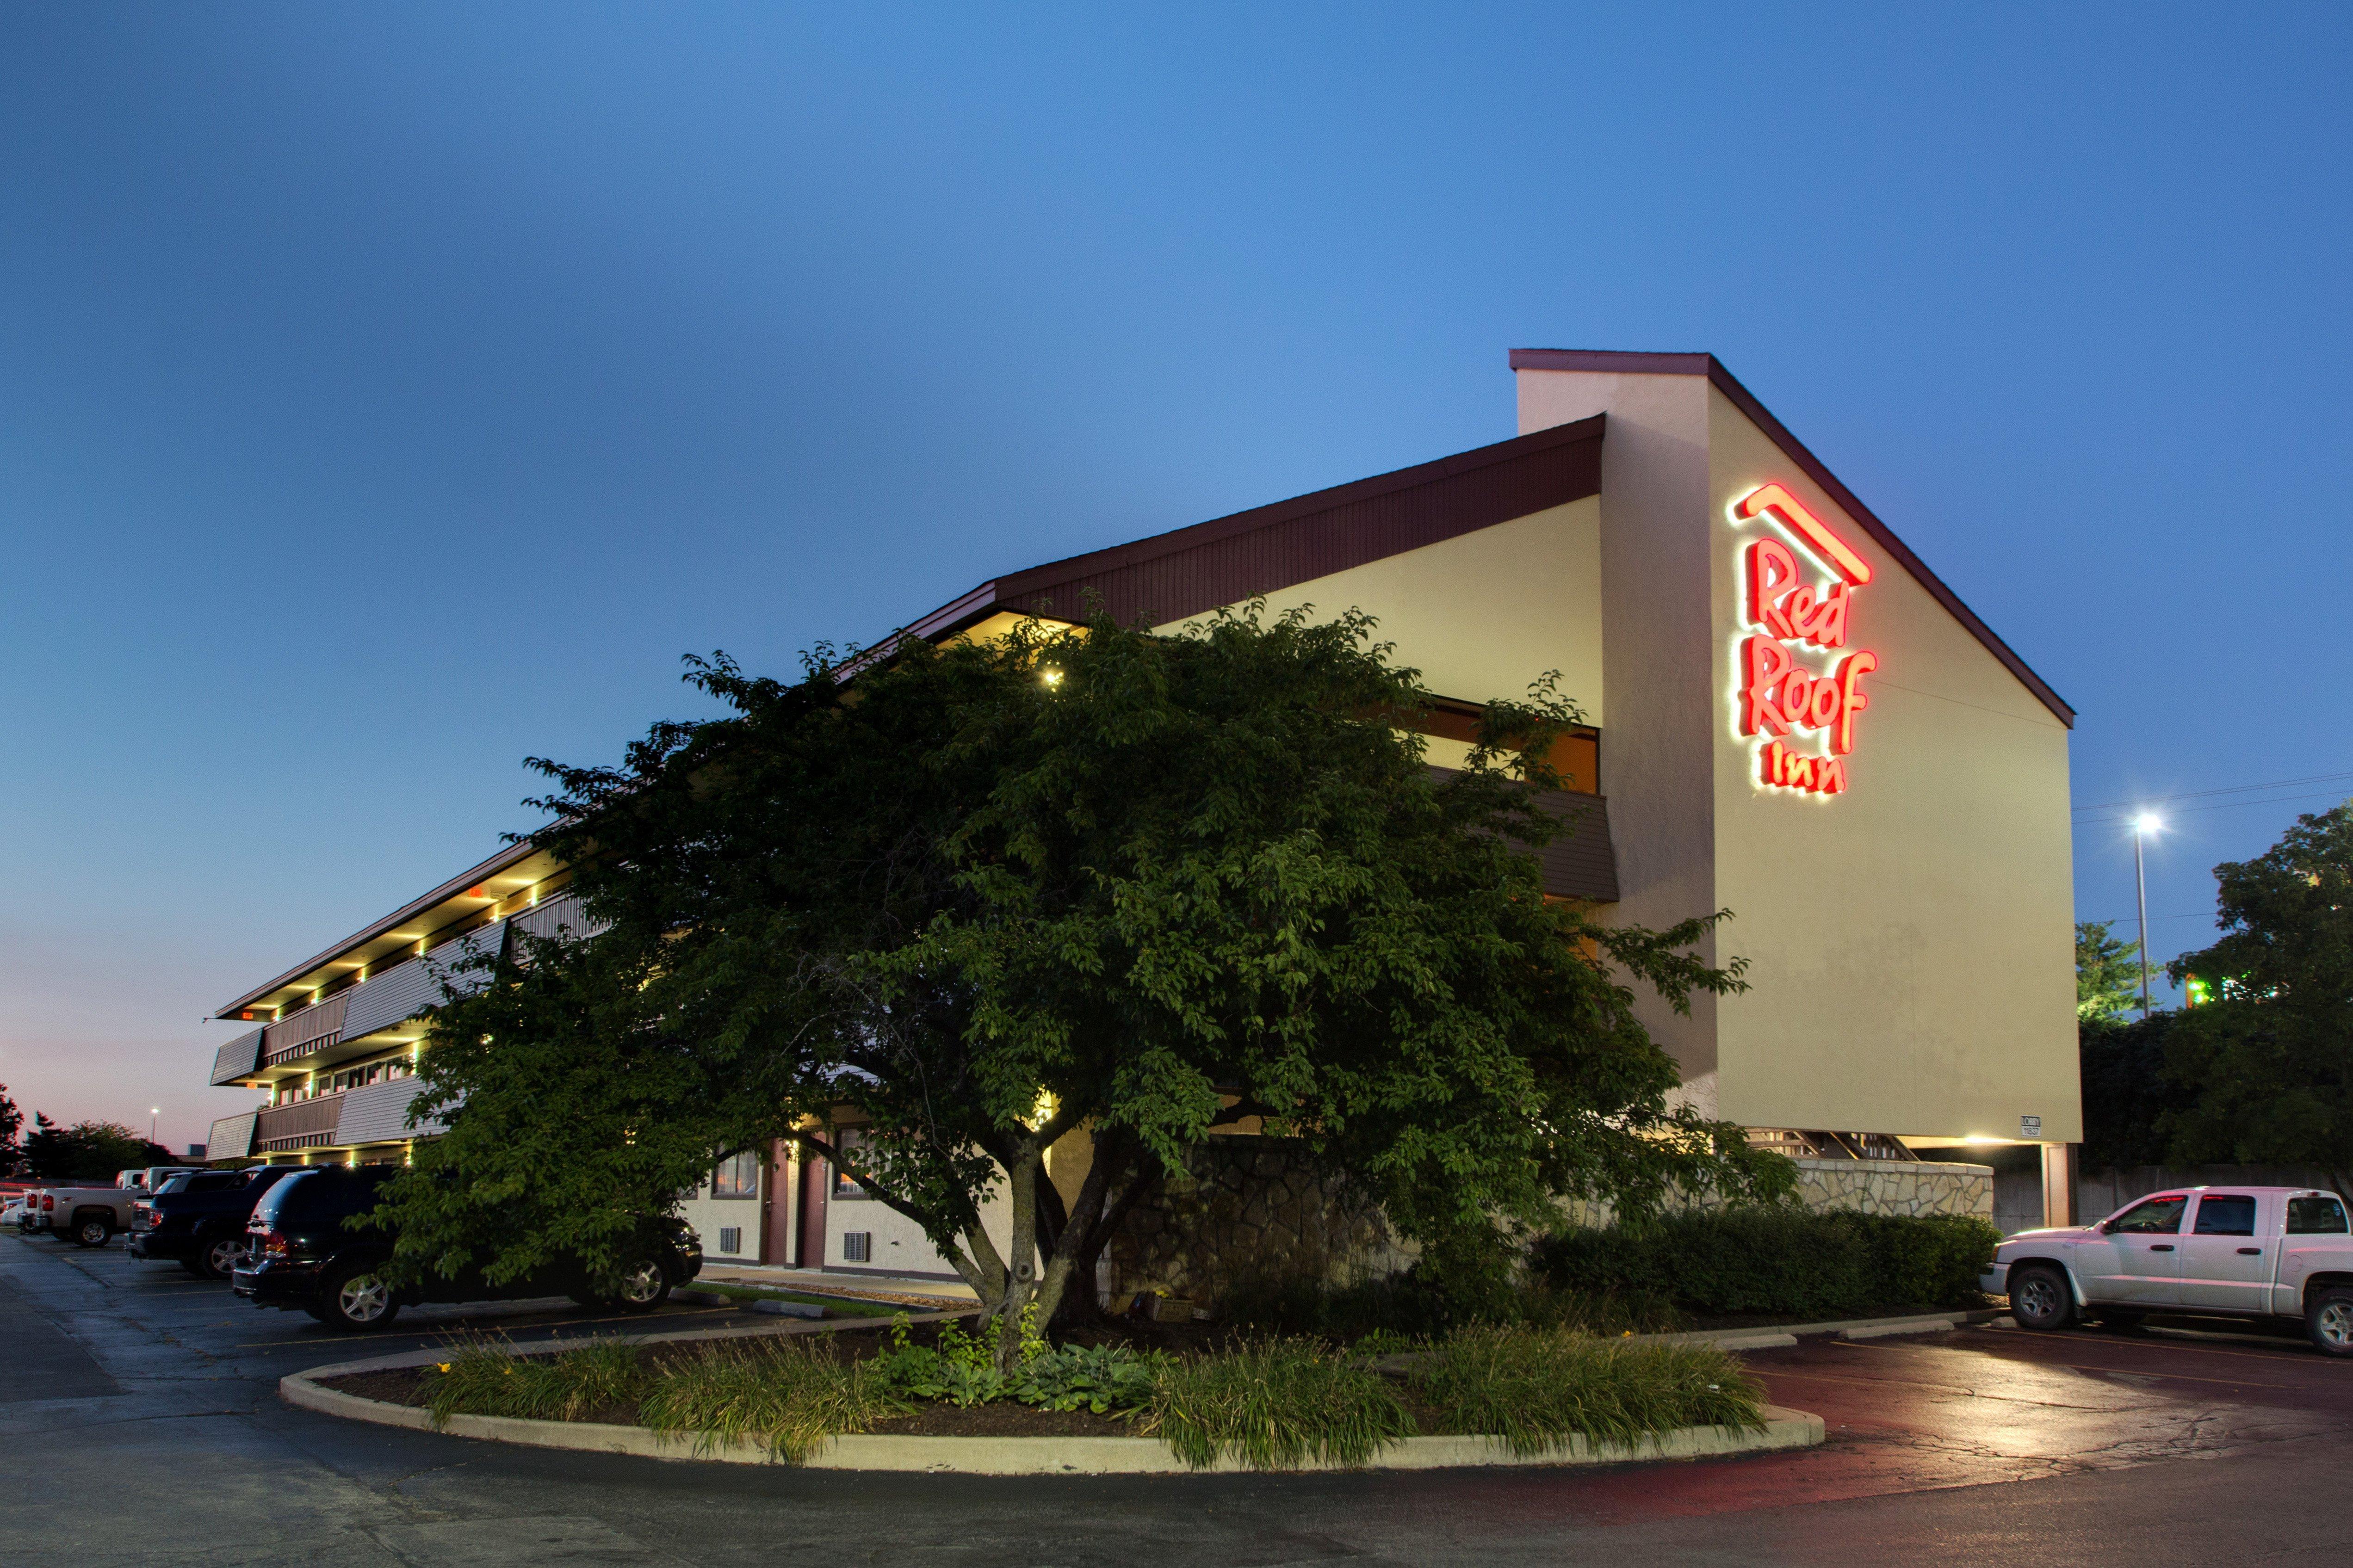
[2228,1252]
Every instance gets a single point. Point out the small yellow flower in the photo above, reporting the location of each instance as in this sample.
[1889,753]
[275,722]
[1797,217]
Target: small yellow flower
[441,1366]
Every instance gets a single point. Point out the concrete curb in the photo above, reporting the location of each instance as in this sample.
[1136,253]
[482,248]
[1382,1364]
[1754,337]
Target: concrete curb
[1764,1335]
[1027,1455]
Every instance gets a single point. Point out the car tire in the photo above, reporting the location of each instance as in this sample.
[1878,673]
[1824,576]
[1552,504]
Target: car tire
[2039,1298]
[219,1256]
[355,1297]
[193,1267]
[645,1285]
[94,1230]
[2328,1320]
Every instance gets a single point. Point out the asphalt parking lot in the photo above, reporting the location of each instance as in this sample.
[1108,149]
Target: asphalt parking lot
[139,1411]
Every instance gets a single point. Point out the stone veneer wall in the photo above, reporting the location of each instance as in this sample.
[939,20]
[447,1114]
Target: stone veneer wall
[1250,1205]
[1896,1186]
[1254,1205]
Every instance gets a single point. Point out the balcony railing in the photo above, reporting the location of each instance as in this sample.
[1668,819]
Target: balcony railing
[232,1137]
[238,1059]
[305,1124]
[311,1030]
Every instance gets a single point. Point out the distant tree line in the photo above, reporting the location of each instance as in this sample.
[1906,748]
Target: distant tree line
[2258,1069]
[88,1150]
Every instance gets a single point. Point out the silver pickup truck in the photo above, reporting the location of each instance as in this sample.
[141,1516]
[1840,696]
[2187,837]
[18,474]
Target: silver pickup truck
[91,1216]
[2207,1252]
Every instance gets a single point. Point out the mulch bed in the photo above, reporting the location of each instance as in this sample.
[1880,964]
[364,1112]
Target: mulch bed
[407,1385]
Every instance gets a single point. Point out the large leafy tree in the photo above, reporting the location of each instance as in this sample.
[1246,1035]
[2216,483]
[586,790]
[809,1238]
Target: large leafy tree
[12,1122]
[88,1150]
[2269,1059]
[1091,883]
[2107,972]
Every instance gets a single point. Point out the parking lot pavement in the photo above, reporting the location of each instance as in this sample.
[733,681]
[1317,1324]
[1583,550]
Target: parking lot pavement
[144,1403]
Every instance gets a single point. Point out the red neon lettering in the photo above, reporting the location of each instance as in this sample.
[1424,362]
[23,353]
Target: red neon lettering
[1771,570]
[1852,701]
[1834,551]
[1789,770]
[1821,622]
[1766,662]
[1821,705]
[1796,687]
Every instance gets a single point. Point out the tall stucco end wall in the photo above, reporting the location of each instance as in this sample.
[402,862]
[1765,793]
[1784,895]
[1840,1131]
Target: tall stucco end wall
[1911,941]
[1655,635]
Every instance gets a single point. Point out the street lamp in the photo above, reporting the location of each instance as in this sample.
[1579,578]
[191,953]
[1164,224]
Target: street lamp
[2147,823]
[152,1112]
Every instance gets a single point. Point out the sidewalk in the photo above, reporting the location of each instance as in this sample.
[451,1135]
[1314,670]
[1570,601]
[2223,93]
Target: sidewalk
[902,1291]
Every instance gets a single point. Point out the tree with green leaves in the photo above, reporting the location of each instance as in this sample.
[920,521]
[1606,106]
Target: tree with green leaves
[12,1122]
[2269,1057]
[88,1150]
[1086,883]
[2107,972]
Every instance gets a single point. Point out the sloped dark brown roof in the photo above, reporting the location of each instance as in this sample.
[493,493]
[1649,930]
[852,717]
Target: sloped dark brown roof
[1624,364]
[1192,570]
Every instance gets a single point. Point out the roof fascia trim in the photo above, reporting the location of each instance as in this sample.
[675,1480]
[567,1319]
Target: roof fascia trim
[499,862]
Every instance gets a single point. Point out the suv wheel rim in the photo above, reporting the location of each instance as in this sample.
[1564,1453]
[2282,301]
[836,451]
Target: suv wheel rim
[641,1284]
[363,1299]
[2038,1299]
[225,1256]
[2337,1325]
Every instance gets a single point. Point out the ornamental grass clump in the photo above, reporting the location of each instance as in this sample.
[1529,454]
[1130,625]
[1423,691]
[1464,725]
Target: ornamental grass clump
[788,1395]
[1274,1403]
[1536,1389]
[484,1376]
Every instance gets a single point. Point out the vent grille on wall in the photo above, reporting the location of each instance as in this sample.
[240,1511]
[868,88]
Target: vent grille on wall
[731,1239]
[857,1247]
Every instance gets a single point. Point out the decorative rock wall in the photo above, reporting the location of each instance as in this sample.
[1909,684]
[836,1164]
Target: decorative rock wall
[1248,1206]
[1896,1186]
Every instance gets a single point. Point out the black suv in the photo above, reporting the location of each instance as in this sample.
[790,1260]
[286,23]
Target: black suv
[199,1219]
[301,1254]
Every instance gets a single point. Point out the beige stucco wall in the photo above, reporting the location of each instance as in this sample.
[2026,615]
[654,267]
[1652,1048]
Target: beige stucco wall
[1911,941]
[1484,615]
[1656,650]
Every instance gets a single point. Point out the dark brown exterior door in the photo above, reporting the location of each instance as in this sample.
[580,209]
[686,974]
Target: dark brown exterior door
[816,1177]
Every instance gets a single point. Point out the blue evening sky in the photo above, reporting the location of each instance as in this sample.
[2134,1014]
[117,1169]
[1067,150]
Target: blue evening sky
[388,393]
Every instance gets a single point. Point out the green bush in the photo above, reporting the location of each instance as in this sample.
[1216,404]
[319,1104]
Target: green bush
[788,1395]
[1274,1403]
[1408,1310]
[485,1377]
[1538,1388]
[1784,1261]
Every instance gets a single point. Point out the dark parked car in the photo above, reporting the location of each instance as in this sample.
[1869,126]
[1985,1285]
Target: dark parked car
[199,1219]
[300,1255]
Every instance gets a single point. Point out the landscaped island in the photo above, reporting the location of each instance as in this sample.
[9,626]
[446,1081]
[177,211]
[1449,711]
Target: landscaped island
[1269,1403]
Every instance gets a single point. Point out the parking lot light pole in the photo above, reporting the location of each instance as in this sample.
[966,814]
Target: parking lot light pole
[2143,825]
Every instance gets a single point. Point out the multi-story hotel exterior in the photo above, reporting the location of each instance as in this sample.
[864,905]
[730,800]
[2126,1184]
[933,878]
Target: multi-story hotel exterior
[1791,717]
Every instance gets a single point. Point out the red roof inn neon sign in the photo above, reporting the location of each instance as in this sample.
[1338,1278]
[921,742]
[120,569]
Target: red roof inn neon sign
[1777,695]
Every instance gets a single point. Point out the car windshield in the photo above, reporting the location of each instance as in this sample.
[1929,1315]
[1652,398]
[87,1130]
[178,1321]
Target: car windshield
[2155,1217]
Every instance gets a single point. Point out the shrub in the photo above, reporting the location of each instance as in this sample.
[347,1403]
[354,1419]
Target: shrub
[1784,1261]
[486,1377]
[1397,1312]
[1110,1380]
[1538,1388]
[958,1367]
[788,1395]
[1274,1403]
